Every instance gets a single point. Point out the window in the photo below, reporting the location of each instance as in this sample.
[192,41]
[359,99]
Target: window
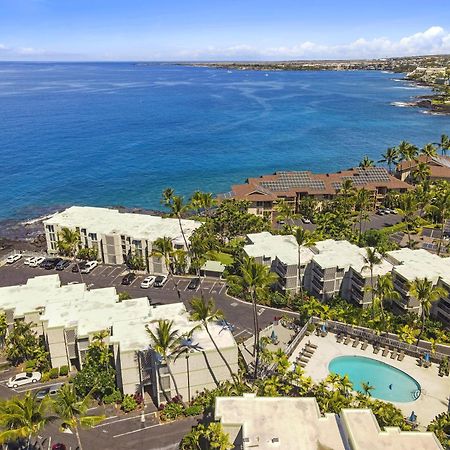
[93,236]
[51,228]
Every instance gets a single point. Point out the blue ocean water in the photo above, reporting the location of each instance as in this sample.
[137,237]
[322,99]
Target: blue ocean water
[119,133]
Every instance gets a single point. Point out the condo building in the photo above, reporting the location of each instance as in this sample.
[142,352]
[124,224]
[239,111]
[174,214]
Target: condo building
[297,424]
[265,192]
[69,316]
[439,167]
[117,235]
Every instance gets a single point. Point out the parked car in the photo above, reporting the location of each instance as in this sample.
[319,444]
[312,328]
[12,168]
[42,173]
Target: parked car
[128,278]
[194,283]
[49,390]
[160,281]
[62,264]
[305,220]
[23,378]
[59,446]
[80,265]
[51,263]
[89,267]
[13,258]
[29,260]
[37,261]
[380,212]
[147,282]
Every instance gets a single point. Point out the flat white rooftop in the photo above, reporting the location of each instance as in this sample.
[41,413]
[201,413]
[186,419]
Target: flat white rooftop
[296,424]
[110,221]
[420,263]
[283,247]
[90,311]
[343,254]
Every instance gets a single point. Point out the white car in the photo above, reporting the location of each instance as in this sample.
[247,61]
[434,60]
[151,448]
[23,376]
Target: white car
[89,267]
[13,258]
[147,282]
[23,378]
[29,260]
[37,261]
[306,220]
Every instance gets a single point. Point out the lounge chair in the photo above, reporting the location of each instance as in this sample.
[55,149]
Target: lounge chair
[308,351]
[386,350]
[427,364]
[323,333]
[314,346]
[376,349]
[401,355]
[302,364]
[355,343]
[302,359]
[340,338]
[394,354]
[347,340]
[364,345]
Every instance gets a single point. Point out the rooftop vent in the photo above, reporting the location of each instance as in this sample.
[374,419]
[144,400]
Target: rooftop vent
[275,440]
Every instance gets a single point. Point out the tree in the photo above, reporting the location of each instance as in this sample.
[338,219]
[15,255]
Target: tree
[3,329]
[286,213]
[304,238]
[421,172]
[407,151]
[426,294]
[367,388]
[371,260]
[73,411]
[362,205]
[209,436]
[21,342]
[205,311]
[444,144]
[390,157]
[366,162]
[441,207]
[307,207]
[202,202]
[383,292]
[165,341]
[23,418]
[408,207]
[69,242]
[97,377]
[256,278]
[177,208]
[428,150]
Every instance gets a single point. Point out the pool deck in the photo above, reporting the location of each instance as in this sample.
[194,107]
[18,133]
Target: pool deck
[435,389]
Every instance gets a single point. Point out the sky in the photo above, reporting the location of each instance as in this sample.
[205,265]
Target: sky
[202,30]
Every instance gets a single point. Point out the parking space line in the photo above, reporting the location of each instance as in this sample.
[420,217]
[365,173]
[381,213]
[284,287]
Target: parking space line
[137,430]
[221,289]
[212,287]
[104,424]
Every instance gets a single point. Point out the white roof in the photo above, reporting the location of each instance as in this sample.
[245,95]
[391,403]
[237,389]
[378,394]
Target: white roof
[411,264]
[364,433]
[110,221]
[296,424]
[283,247]
[343,254]
[90,311]
[213,266]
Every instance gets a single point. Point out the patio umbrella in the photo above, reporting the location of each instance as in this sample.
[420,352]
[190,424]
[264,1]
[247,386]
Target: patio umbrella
[324,328]
[427,357]
[412,417]
[273,336]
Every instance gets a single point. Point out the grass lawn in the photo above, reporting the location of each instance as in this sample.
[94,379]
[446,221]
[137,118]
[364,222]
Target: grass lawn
[224,258]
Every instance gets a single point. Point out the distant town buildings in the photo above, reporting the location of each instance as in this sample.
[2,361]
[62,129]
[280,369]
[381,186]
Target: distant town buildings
[264,192]
[118,235]
[69,316]
[297,424]
[330,268]
[439,168]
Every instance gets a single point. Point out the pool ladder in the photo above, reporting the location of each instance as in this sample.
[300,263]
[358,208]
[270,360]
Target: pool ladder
[416,394]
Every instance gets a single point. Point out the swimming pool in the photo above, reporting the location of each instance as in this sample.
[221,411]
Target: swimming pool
[390,383]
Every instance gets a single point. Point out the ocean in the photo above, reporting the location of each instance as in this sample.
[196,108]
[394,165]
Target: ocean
[112,134]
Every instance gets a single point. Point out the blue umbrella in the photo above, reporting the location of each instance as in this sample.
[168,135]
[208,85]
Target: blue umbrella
[427,357]
[324,328]
[412,417]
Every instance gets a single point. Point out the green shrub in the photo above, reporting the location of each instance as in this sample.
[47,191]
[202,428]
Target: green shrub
[63,371]
[129,403]
[54,373]
[30,364]
[45,377]
[193,410]
[172,410]
[114,397]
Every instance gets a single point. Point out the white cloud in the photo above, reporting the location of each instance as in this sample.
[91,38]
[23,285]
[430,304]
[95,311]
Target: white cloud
[434,40]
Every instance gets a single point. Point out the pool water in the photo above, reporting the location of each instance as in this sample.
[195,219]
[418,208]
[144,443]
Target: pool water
[390,383]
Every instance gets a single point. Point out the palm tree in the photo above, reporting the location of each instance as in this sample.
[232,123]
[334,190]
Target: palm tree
[407,151]
[24,417]
[408,209]
[362,205]
[205,311]
[367,388]
[426,294]
[421,172]
[202,201]
[371,259]
[256,278]
[366,162]
[444,144]
[73,411]
[286,213]
[390,157]
[383,292]
[167,195]
[163,248]
[304,238]
[165,341]
[428,150]
[441,207]
[178,208]
[69,242]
